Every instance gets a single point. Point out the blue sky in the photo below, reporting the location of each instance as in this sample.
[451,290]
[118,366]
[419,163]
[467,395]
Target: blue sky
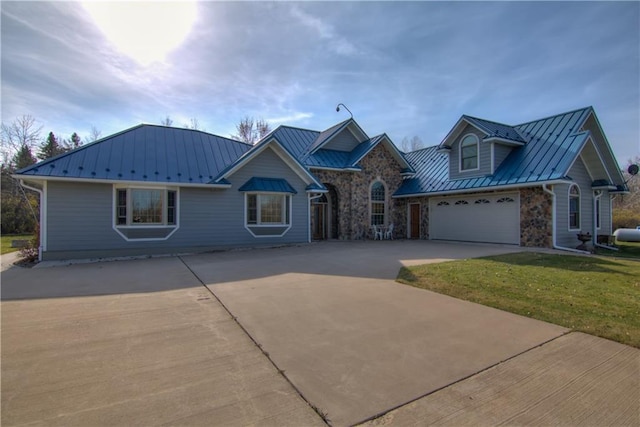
[402,68]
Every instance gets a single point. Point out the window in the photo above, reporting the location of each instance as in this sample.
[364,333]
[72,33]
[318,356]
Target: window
[574,207]
[461,202]
[481,202]
[378,203]
[268,209]
[505,200]
[145,206]
[469,153]
[443,203]
[598,213]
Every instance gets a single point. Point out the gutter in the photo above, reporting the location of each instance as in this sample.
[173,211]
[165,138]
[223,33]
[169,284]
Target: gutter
[486,189]
[118,181]
[553,223]
[43,222]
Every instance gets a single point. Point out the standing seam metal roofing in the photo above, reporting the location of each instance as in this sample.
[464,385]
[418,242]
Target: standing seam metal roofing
[147,153]
[552,146]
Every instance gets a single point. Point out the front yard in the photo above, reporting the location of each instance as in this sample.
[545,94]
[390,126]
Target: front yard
[599,296]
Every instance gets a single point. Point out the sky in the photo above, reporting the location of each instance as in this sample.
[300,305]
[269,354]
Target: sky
[402,68]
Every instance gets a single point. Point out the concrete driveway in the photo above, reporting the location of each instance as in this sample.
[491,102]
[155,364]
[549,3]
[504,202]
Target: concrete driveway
[320,326]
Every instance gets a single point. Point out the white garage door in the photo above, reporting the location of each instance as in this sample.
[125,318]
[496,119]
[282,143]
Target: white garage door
[481,218]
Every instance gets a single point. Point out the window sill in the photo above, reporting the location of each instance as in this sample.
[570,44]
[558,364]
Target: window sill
[145,232]
[263,230]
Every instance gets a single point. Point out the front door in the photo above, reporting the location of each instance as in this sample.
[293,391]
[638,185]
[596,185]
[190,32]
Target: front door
[414,220]
[319,221]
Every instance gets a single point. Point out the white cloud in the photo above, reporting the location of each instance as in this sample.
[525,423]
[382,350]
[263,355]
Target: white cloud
[338,44]
[290,118]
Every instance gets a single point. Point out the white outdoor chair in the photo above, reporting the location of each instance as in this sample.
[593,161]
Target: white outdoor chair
[377,232]
[389,233]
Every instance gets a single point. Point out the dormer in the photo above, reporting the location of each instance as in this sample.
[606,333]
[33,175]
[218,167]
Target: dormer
[344,136]
[476,147]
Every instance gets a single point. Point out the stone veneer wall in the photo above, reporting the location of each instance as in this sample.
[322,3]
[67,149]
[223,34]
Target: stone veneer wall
[424,214]
[536,218]
[353,194]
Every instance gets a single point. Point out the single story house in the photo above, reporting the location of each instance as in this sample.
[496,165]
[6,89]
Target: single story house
[154,189]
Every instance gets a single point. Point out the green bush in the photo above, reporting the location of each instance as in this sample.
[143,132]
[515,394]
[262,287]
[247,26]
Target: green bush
[16,216]
[625,218]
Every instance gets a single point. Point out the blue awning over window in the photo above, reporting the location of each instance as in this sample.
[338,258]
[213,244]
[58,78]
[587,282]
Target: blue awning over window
[268,185]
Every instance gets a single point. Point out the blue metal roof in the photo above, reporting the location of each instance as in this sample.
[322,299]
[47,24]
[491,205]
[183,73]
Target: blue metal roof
[495,129]
[147,153]
[552,145]
[269,185]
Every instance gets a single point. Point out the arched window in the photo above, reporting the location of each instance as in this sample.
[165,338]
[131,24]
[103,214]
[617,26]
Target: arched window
[469,153]
[574,207]
[378,203]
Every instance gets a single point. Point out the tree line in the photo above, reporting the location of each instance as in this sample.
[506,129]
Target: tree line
[21,145]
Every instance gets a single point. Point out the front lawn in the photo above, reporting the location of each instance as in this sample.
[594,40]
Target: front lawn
[596,295]
[625,250]
[5,241]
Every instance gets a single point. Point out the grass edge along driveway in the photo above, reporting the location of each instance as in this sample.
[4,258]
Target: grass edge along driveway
[595,295]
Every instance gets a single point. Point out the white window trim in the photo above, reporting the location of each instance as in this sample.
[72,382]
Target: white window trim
[569,196]
[460,170]
[249,227]
[117,228]
[386,201]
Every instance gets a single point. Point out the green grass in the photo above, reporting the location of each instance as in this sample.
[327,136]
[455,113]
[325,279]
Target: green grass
[5,241]
[625,250]
[596,295]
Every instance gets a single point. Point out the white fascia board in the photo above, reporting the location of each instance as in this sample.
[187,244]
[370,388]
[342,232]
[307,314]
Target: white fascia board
[281,152]
[503,141]
[456,130]
[328,168]
[485,189]
[33,178]
[606,142]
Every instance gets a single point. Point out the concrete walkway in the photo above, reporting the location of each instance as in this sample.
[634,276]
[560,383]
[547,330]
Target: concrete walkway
[147,344]
[353,341]
[142,342]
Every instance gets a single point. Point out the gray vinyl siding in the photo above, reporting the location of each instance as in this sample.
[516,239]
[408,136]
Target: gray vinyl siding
[500,152]
[484,159]
[564,237]
[80,217]
[605,214]
[344,141]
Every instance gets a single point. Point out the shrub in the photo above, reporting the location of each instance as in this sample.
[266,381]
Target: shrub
[625,218]
[30,252]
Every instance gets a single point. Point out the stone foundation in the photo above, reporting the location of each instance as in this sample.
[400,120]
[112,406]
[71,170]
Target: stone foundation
[535,218]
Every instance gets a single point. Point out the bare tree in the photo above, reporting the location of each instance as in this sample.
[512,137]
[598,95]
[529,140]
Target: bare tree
[251,131]
[412,144]
[193,124]
[167,121]
[94,134]
[23,131]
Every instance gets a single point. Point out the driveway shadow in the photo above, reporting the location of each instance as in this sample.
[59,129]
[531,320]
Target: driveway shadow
[575,263]
[101,278]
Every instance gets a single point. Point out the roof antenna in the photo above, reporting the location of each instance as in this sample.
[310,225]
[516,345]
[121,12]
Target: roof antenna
[345,107]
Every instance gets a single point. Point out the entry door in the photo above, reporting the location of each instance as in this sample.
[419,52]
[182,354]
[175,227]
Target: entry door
[320,221]
[414,221]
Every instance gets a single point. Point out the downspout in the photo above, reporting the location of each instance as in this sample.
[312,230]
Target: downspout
[597,194]
[42,226]
[553,223]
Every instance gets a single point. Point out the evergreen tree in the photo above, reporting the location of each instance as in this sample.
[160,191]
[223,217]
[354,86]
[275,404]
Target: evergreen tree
[75,141]
[50,147]
[23,157]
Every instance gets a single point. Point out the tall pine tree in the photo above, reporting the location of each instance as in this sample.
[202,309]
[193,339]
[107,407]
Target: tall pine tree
[23,157]
[75,141]
[50,147]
